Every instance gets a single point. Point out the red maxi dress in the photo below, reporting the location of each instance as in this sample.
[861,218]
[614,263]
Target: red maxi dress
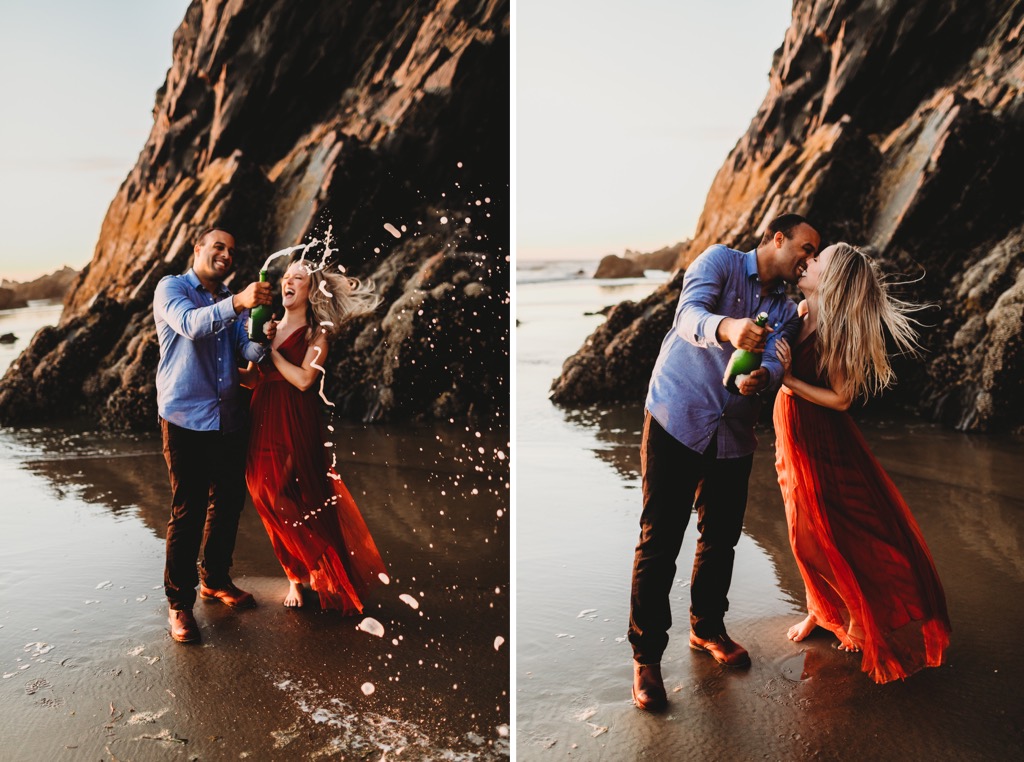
[314,525]
[860,551]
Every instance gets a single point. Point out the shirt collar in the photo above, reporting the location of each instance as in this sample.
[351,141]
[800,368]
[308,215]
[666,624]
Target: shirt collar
[193,279]
[750,262]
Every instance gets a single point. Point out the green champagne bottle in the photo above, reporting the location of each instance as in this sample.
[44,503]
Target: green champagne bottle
[742,362]
[258,317]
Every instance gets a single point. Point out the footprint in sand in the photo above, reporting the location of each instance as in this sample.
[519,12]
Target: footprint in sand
[36,685]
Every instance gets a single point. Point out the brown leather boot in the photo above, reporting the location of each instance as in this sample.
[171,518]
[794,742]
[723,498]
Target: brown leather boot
[649,688]
[229,595]
[723,648]
[184,628]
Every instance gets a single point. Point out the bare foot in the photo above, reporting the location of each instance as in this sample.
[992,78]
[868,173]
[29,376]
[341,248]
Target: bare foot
[800,631]
[294,598]
[850,640]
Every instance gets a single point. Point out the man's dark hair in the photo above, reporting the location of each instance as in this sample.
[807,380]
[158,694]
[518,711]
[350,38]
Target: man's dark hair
[784,224]
[206,231]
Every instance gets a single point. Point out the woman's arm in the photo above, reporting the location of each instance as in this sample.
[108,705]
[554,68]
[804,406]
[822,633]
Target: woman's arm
[831,397]
[303,376]
[828,397]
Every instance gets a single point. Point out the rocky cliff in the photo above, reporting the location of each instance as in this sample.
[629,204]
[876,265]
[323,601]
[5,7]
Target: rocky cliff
[279,121]
[898,125]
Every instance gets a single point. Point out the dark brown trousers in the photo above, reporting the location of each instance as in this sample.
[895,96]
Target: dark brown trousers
[677,480]
[207,473]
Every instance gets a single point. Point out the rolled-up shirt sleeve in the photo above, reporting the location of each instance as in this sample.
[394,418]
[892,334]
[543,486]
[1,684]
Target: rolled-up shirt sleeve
[172,303]
[695,323]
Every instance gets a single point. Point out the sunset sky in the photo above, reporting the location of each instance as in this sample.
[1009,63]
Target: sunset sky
[625,112]
[77,83]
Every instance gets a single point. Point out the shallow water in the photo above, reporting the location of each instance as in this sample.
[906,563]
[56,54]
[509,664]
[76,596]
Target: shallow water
[578,486]
[88,671]
[24,323]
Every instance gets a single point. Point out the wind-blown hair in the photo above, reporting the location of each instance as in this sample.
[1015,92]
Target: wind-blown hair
[854,309]
[334,299]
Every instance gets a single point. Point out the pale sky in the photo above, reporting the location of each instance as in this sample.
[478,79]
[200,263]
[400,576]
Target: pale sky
[625,112]
[78,79]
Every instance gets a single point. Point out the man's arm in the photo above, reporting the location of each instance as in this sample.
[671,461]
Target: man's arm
[250,351]
[695,323]
[171,302]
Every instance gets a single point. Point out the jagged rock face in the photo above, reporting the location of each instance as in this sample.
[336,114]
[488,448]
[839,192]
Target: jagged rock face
[278,121]
[615,362]
[896,125]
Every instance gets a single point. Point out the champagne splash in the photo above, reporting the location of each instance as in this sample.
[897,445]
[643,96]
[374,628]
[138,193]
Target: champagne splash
[328,238]
[282,252]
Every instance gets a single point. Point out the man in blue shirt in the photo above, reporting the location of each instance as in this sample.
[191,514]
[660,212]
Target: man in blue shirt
[698,440]
[200,325]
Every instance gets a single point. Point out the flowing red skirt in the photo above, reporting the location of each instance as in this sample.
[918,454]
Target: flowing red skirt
[861,553]
[315,528]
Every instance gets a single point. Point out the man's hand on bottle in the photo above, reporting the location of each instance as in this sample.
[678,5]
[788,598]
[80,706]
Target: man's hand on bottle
[743,333]
[251,296]
[753,383]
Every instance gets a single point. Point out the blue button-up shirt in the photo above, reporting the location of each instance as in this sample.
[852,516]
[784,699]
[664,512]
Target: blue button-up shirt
[686,395]
[202,342]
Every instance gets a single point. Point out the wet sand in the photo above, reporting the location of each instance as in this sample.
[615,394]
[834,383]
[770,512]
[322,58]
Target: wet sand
[578,484]
[89,671]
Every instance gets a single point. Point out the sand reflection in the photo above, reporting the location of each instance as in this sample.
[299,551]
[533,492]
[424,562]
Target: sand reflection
[82,571]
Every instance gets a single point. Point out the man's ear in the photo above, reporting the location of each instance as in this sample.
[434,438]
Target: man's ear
[778,239]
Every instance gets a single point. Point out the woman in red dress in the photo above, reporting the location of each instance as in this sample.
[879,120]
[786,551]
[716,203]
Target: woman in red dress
[315,528]
[868,574]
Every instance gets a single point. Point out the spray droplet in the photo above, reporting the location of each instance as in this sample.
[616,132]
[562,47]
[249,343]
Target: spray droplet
[408,599]
[367,688]
[384,578]
[498,641]
[371,626]
[444,220]
[392,229]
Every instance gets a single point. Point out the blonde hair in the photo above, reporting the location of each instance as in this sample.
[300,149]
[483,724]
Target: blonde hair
[335,299]
[854,308]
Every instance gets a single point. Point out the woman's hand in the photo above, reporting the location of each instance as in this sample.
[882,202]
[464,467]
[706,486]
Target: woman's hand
[784,354]
[270,329]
